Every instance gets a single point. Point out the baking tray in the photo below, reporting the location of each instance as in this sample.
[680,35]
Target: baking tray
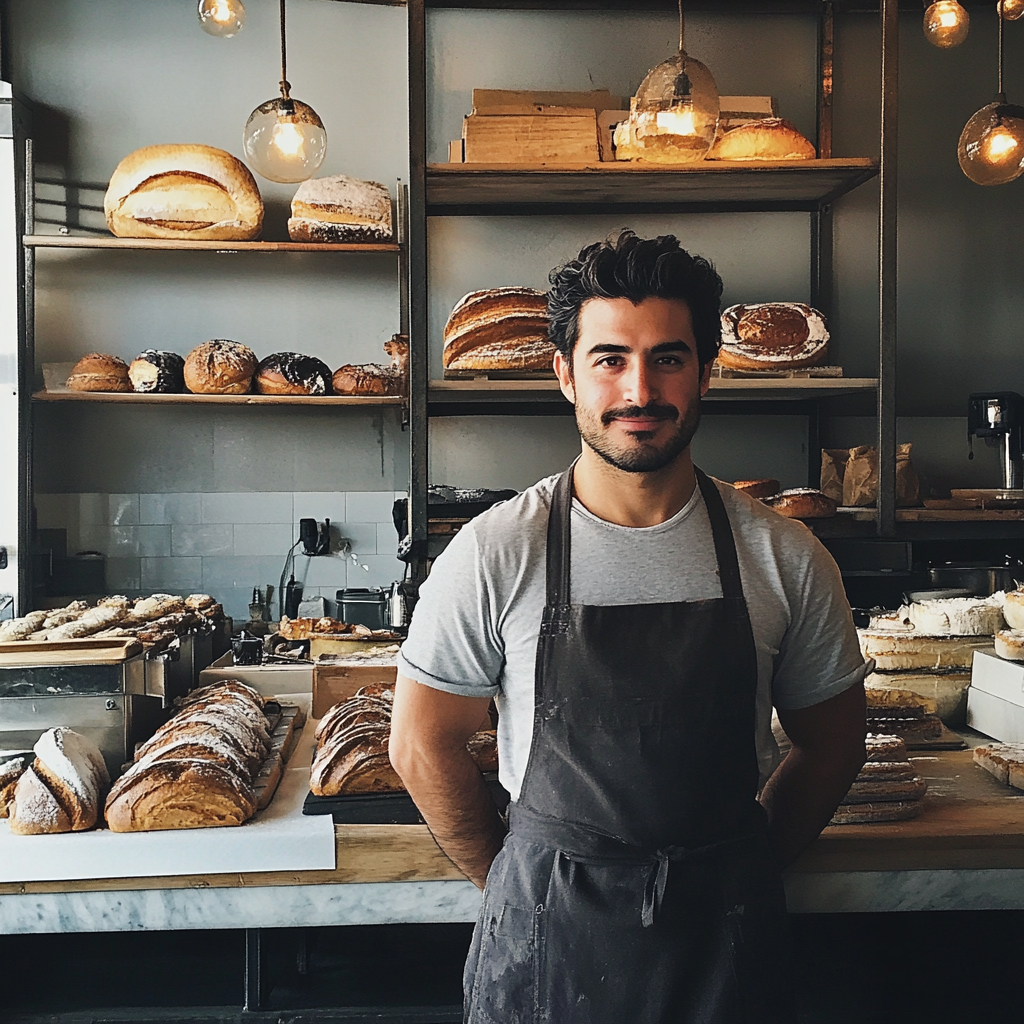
[385,808]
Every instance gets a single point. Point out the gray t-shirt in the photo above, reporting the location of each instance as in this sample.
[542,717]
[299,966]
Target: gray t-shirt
[475,628]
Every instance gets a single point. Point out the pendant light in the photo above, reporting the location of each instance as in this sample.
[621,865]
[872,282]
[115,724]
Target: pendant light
[674,115]
[1010,10]
[284,138]
[223,18]
[946,24]
[991,149]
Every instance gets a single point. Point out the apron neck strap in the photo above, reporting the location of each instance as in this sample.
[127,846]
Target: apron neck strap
[560,540]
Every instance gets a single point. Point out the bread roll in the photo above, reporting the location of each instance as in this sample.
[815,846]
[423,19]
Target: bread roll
[183,191]
[1013,609]
[290,373]
[220,367]
[773,336]
[1010,644]
[340,209]
[770,138]
[97,372]
[758,488]
[157,372]
[802,503]
[499,329]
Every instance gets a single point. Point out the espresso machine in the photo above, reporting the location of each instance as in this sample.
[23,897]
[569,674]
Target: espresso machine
[998,416]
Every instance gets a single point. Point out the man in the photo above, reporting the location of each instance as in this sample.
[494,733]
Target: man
[634,622]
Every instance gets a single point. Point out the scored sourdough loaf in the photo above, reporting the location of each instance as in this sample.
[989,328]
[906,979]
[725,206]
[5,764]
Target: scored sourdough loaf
[499,329]
[291,373]
[220,367]
[183,191]
[98,372]
[773,336]
[758,488]
[768,138]
[10,772]
[340,209]
[802,503]
[370,379]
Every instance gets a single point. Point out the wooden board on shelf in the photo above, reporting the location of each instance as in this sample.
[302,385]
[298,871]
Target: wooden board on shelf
[546,374]
[725,372]
[798,184]
[135,398]
[938,515]
[110,242]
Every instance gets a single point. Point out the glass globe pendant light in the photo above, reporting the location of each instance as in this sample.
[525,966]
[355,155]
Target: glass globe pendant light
[223,18]
[1010,10]
[674,115]
[946,24]
[991,149]
[284,138]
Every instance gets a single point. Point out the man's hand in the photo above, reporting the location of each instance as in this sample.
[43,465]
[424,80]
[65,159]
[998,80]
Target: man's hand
[828,752]
[429,730]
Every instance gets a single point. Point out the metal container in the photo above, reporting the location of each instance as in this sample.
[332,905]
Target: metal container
[980,579]
[366,606]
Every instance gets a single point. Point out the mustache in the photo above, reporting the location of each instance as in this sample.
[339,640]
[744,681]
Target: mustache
[653,410]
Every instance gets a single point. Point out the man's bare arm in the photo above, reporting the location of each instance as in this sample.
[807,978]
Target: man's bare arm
[827,754]
[429,729]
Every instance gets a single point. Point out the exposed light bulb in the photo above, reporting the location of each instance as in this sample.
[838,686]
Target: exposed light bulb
[222,18]
[677,121]
[946,24]
[991,149]
[285,140]
[1010,10]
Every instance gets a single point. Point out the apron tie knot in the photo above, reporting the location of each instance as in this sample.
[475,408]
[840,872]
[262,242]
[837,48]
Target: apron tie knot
[657,879]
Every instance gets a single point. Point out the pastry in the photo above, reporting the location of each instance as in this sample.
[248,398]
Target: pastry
[873,789]
[220,367]
[885,747]
[943,692]
[758,488]
[340,209]
[863,814]
[183,191]
[373,379]
[499,329]
[957,616]
[290,373]
[773,336]
[157,372]
[97,372]
[1003,760]
[1010,644]
[801,503]
[901,651]
[1013,609]
[769,138]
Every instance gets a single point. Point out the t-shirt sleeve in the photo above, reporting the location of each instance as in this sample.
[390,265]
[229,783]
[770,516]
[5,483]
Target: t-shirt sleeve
[819,657]
[452,643]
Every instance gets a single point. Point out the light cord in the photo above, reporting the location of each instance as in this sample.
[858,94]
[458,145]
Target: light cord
[1000,12]
[682,48]
[285,86]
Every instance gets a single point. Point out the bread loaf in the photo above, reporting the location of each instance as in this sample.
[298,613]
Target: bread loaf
[499,329]
[1003,760]
[10,772]
[340,209]
[98,372]
[880,790]
[885,747]
[291,373]
[758,488]
[868,813]
[157,372]
[773,336]
[183,191]
[1013,609]
[769,138]
[802,503]
[19,629]
[1009,644]
[372,379]
[220,367]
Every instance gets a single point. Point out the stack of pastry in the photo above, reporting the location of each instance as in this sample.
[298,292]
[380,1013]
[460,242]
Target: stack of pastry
[62,790]
[887,788]
[903,714]
[352,746]
[927,648]
[1005,761]
[200,768]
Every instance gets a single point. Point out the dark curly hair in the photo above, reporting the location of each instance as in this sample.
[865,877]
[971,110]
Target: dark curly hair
[636,268]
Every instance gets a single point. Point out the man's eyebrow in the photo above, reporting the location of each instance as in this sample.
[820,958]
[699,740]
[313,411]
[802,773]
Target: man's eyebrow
[666,346]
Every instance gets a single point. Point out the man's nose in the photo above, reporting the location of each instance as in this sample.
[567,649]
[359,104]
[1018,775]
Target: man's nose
[640,384]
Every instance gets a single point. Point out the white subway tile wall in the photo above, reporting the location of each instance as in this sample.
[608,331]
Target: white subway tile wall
[227,544]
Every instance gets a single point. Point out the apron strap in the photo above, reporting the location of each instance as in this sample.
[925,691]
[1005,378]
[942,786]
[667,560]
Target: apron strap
[725,544]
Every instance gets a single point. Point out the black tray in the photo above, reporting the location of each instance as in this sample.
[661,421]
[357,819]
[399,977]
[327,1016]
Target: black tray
[384,808]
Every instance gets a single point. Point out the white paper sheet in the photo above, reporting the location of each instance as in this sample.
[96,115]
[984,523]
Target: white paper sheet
[277,839]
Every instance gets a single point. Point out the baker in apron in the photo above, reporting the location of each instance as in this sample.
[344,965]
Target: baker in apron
[636,883]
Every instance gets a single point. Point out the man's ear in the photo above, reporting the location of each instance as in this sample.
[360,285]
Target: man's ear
[563,371]
[705,378]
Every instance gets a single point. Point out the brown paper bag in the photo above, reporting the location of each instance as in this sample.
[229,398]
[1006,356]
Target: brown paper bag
[860,481]
[833,469]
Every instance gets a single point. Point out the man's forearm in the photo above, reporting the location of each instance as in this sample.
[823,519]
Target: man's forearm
[453,799]
[802,796]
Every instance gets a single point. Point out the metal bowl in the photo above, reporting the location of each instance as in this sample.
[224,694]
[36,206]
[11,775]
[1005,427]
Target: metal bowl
[977,580]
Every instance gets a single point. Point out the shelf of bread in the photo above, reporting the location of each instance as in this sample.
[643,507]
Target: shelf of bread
[745,184]
[59,394]
[185,244]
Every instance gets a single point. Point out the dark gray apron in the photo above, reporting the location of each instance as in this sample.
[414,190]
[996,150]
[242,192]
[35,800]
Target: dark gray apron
[636,884]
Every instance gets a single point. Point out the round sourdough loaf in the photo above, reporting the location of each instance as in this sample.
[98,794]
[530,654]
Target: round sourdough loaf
[183,191]
[220,367]
[98,372]
[769,138]
[773,336]
[291,373]
[802,503]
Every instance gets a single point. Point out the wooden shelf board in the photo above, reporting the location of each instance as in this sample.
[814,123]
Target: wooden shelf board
[743,185]
[109,242]
[133,398]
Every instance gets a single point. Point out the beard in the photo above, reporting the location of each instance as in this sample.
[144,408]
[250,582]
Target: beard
[642,454]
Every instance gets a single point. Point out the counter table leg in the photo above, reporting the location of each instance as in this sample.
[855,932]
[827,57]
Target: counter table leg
[253,969]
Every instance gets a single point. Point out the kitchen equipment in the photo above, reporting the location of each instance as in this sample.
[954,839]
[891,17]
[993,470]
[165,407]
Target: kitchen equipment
[96,687]
[997,416]
[398,615]
[980,578]
[172,672]
[246,649]
[366,606]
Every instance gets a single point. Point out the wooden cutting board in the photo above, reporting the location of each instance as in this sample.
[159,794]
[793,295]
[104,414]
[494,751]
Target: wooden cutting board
[86,651]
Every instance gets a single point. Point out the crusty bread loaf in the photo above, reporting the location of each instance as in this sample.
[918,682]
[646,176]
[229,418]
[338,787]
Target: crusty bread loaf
[802,503]
[291,373]
[183,191]
[19,629]
[773,336]
[89,623]
[98,372]
[220,367]
[769,138]
[371,379]
[35,810]
[157,372]
[10,772]
[499,329]
[758,488]
[340,209]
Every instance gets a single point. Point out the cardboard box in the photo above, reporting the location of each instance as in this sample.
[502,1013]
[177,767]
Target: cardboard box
[334,682]
[995,700]
[568,136]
